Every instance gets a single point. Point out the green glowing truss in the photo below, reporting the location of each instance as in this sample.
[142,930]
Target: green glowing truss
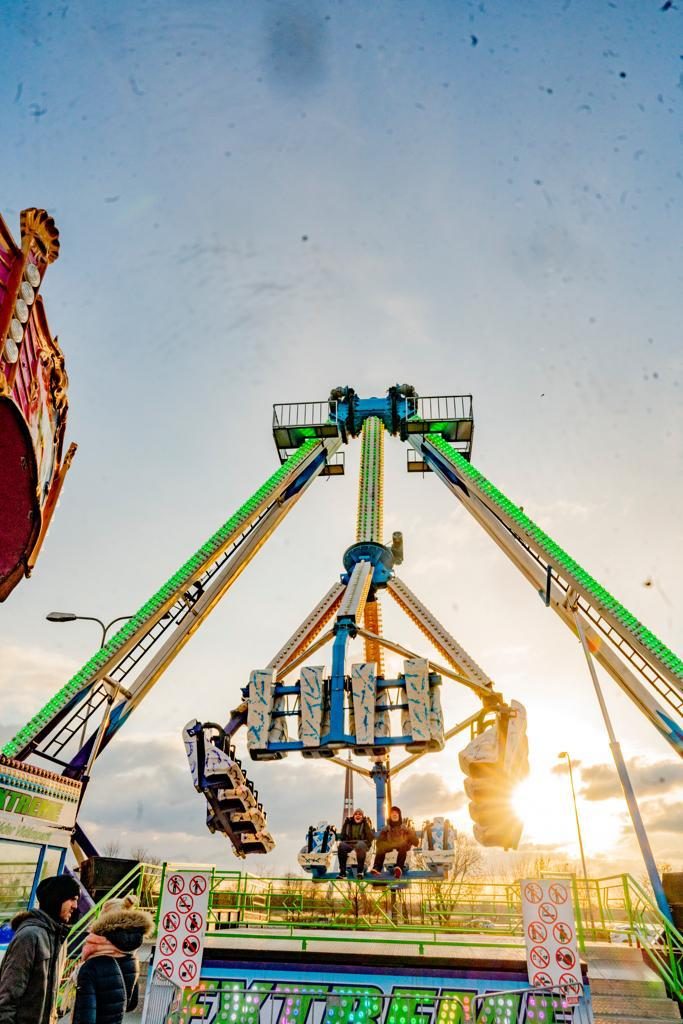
[163,598]
[598,596]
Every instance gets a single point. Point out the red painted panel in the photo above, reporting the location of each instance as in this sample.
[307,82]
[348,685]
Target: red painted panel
[19,511]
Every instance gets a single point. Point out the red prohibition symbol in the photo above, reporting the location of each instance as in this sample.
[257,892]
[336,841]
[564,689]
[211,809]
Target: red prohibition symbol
[533,892]
[166,967]
[187,970]
[537,932]
[542,980]
[547,912]
[197,885]
[184,904]
[573,984]
[171,921]
[168,945]
[539,956]
[176,884]
[565,958]
[563,933]
[190,945]
[558,893]
[194,922]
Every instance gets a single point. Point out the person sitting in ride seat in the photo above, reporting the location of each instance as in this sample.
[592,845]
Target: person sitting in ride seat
[394,836]
[357,834]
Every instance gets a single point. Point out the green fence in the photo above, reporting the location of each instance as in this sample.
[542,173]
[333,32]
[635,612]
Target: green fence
[426,914]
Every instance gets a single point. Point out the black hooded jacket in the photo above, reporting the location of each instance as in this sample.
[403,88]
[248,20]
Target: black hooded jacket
[31,969]
[107,986]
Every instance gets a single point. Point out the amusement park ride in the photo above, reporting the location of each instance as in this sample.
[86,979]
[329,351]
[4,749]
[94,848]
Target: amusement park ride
[33,399]
[293,704]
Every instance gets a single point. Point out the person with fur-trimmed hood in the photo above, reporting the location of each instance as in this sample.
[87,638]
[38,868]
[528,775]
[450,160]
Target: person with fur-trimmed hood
[107,981]
[32,967]
[397,835]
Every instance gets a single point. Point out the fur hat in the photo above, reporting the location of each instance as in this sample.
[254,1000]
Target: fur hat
[123,913]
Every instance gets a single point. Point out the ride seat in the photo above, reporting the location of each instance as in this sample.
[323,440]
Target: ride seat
[438,844]
[316,854]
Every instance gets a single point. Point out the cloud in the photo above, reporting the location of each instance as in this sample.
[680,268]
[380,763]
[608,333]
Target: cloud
[562,768]
[142,795]
[427,793]
[660,816]
[601,782]
[29,676]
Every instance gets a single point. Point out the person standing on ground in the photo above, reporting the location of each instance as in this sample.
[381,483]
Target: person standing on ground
[357,834]
[31,971]
[107,980]
[396,835]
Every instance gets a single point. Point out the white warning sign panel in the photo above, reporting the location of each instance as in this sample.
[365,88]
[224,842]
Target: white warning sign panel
[550,934]
[182,925]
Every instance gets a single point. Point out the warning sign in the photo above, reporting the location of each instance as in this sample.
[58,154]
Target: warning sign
[184,904]
[550,933]
[180,946]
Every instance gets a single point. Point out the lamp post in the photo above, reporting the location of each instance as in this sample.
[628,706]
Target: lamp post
[564,754]
[70,617]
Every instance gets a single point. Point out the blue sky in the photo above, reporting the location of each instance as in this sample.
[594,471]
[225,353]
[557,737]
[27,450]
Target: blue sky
[260,201]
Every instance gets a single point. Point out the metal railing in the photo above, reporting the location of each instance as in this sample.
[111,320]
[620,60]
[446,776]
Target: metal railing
[300,414]
[426,916]
[444,407]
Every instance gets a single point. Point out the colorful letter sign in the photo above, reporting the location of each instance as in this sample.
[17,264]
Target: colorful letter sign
[182,924]
[550,935]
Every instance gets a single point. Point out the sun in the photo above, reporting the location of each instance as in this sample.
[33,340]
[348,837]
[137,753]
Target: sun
[544,803]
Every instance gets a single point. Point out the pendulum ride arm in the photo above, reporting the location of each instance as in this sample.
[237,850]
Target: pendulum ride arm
[646,670]
[370,523]
[166,622]
[439,636]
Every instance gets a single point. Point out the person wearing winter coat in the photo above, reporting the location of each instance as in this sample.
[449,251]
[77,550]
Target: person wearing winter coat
[357,834]
[107,980]
[32,967]
[396,835]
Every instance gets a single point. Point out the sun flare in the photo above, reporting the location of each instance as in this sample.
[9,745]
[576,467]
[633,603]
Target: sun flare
[544,803]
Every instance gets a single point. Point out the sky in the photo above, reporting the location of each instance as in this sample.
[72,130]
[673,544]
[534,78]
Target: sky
[259,201]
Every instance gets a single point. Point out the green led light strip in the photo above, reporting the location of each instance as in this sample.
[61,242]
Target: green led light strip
[599,597]
[192,568]
[369,524]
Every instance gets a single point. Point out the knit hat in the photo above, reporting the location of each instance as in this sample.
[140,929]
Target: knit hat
[54,891]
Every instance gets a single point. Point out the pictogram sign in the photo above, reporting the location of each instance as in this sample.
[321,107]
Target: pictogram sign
[184,904]
[550,935]
[182,922]
[537,931]
[533,892]
[168,945]
[539,956]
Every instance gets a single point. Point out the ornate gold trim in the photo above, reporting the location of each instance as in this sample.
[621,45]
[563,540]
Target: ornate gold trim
[39,232]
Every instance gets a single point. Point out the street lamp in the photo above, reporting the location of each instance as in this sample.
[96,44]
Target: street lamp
[563,754]
[71,617]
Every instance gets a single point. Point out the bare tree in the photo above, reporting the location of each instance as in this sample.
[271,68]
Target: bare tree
[468,858]
[112,848]
[142,855]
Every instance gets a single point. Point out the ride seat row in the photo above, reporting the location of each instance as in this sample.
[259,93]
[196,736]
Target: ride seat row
[231,796]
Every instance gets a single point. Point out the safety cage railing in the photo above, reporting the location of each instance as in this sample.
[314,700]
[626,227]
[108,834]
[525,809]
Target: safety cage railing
[423,917]
[296,422]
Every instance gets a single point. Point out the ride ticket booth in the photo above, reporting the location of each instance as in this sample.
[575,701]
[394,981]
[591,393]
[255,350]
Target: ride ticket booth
[37,816]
